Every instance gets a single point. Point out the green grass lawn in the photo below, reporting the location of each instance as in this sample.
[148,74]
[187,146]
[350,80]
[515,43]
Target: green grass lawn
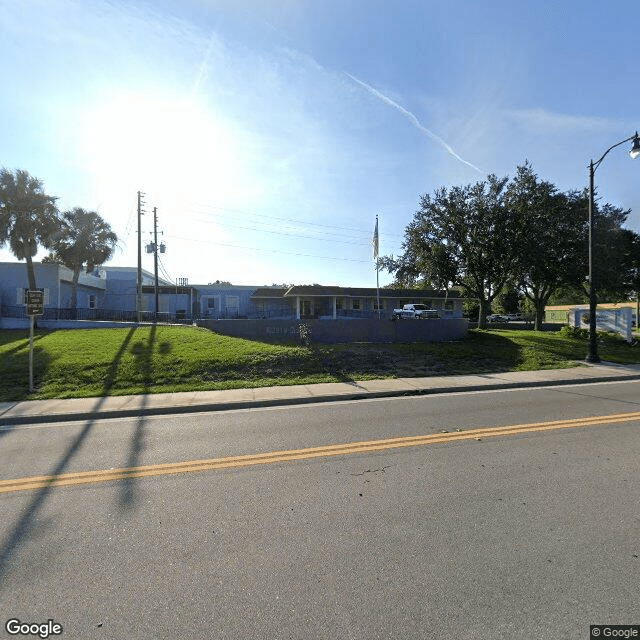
[97,362]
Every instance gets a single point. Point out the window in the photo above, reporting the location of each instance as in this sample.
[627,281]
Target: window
[378,307]
[339,304]
[355,304]
[211,305]
[92,302]
[233,306]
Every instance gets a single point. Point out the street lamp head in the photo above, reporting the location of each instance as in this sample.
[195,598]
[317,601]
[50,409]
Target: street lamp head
[635,149]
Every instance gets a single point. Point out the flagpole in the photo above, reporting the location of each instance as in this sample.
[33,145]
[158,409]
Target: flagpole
[378,284]
[376,241]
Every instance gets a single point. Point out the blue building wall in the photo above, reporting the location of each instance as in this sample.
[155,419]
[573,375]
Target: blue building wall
[14,280]
[225,301]
[121,287]
[56,282]
[110,294]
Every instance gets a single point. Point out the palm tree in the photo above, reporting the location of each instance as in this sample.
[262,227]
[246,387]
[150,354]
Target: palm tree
[85,241]
[28,216]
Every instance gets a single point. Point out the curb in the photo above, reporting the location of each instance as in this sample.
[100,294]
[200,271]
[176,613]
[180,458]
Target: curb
[297,401]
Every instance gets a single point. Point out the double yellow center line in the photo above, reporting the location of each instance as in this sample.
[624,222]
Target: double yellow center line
[90,477]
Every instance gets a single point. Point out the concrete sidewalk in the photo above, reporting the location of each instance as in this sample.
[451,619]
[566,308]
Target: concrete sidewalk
[39,411]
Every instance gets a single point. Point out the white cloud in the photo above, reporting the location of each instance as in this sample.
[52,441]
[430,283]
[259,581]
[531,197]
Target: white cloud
[543,120]
[414,120]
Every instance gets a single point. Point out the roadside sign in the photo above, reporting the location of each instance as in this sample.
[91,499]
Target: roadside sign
[35,302]
[35,307]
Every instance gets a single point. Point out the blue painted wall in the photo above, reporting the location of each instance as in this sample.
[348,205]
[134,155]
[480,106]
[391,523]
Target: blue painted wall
[56,282]
[113,289]
[226,301]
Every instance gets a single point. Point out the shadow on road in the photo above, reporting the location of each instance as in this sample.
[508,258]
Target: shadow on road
[144,361]
[24,527]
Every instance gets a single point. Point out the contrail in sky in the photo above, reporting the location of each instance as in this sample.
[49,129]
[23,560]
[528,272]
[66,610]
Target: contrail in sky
[203,69]
[416,123]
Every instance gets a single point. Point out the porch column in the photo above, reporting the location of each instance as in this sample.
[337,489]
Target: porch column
[297,307]
[334,307]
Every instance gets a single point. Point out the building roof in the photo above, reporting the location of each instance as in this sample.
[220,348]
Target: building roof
[108,270]
[351,292]
[269,292]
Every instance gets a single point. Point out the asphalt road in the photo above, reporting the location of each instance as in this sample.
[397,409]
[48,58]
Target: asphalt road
[530,534]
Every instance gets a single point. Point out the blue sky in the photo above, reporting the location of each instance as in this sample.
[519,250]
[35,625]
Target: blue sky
[269,135]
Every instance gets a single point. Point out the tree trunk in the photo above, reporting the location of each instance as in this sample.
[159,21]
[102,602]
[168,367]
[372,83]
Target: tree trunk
[74,288]
[31,275]
[482,314]
[30,272]
[539,305]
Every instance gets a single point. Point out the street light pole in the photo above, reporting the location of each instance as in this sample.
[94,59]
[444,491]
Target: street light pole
[592,356]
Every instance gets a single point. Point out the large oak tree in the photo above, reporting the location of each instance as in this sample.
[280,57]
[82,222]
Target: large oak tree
[523,232]
[464,237]
[553,242]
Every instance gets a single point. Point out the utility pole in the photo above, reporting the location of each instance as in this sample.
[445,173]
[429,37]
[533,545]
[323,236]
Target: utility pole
[155,255]
[139,285]
[153,247]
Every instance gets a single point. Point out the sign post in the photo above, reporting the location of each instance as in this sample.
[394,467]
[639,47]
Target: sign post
[35,307]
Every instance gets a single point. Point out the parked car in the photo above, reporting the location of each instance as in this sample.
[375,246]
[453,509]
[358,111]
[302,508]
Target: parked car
[496,317]
[415,311]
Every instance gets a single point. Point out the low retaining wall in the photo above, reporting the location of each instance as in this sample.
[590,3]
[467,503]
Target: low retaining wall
[24,323]
[335,331]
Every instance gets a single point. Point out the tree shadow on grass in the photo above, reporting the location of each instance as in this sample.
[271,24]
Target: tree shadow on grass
[14,386]
[566,349]
[477,353]
[23,343]
[27,524]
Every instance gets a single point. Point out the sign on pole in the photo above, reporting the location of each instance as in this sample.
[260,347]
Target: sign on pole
[35,302]
[35,307]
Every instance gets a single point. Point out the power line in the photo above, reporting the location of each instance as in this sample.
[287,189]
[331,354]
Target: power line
[284,233]
[164,271]
[290,253]
[364,232]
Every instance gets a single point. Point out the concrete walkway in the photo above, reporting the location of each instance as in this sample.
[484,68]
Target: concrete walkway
[39,411]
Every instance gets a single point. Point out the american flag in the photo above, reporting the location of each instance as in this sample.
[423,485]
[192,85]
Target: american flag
[375,240]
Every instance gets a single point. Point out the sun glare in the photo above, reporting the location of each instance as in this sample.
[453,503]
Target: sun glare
[172,148]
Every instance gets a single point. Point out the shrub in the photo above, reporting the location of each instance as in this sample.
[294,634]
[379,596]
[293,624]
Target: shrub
[575,333]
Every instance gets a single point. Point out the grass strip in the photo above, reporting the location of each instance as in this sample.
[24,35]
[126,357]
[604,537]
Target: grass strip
[154,359]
